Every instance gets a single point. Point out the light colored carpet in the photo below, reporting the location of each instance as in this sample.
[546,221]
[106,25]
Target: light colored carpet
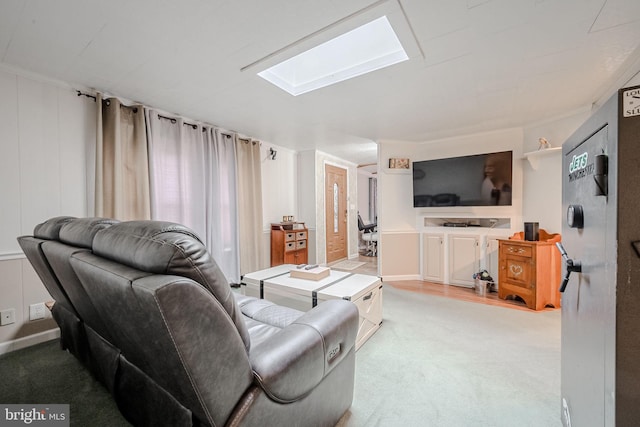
[347,265]
[442,362]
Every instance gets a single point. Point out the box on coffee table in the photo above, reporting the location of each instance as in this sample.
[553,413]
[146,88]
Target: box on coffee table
[366,293]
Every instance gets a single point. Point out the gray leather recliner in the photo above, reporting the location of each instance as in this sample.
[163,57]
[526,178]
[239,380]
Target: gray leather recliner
[155,320]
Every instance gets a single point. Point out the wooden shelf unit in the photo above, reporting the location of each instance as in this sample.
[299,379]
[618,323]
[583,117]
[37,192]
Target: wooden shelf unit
[289,243]
[530,270]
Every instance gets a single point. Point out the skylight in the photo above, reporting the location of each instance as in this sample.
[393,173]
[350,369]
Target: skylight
[365,49]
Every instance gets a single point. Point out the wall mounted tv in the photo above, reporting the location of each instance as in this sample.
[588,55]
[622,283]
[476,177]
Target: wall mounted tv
[477,180]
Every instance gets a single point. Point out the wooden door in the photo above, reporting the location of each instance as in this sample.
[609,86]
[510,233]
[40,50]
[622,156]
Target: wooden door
[335,201]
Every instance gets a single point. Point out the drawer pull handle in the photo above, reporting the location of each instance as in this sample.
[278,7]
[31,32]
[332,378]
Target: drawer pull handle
[367,296]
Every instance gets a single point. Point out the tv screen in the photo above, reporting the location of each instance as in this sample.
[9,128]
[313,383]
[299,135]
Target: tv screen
[477,180]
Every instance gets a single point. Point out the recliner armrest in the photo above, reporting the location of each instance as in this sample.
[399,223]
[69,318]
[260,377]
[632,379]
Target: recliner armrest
[295,360]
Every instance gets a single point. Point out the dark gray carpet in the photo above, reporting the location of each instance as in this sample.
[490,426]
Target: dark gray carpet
[45,374]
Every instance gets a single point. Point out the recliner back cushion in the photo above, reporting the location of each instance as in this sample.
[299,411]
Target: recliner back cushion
[50,229]
[81,231]
[168,248]
[74,235]
[58,254]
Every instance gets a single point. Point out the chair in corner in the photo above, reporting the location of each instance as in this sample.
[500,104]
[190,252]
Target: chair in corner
[369,235]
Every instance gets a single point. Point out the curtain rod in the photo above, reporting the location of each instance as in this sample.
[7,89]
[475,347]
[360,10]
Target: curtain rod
[132,107]
[172,119]
[107,101]
[193,125]
[95,98]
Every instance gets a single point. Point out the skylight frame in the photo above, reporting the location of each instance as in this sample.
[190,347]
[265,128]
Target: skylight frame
[294,75]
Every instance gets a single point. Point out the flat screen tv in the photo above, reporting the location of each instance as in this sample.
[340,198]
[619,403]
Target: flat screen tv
[477,180]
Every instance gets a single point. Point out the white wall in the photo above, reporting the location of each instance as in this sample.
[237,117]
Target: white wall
[279,184]
[543,176]
[363,195]
[46,134]
[279,192]
[307,187]
[307,199]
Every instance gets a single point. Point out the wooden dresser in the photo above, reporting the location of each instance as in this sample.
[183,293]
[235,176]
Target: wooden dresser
[530,270]
[289,243]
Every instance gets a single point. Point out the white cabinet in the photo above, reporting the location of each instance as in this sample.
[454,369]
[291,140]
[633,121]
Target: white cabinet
[490,257]
[454,257]
[433,257]
[464,257]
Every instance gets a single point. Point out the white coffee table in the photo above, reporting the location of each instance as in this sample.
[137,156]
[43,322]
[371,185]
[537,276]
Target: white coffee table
[298,293]
[363,290]
[366,293]
[252,284]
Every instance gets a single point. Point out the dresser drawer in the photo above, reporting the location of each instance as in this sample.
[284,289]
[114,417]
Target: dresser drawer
[520,250]
[288,237]
[301,244]
[290,246]
[301,235]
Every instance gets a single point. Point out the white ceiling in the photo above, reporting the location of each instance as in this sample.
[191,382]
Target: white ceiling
[475,65]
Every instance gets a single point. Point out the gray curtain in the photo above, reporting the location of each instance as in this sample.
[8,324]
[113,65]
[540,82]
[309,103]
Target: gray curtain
[193,182]
[249,204]
[122,165]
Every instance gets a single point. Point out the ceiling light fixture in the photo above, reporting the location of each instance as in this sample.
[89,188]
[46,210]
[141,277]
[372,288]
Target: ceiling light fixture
[362,50]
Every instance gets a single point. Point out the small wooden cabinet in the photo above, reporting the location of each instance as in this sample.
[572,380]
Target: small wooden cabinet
[289,243]
[530,270]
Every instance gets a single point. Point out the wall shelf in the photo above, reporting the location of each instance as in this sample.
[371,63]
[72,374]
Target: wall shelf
[534,156]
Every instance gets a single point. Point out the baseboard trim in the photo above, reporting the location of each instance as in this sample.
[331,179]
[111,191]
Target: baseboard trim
[399,278]
[28,341]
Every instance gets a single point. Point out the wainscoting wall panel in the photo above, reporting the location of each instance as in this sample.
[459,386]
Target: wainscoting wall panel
[399,254]
[47,138]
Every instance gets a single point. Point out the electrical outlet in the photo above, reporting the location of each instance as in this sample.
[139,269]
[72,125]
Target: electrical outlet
[37,311]
[7,316]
